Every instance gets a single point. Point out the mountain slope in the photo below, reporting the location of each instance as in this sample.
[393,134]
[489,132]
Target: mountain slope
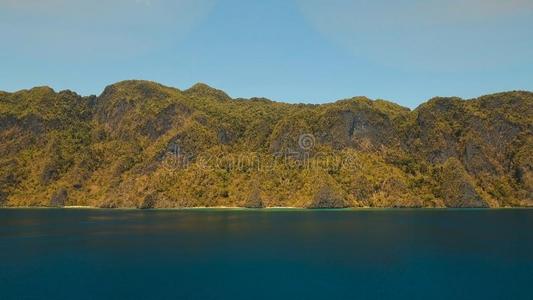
[142,144]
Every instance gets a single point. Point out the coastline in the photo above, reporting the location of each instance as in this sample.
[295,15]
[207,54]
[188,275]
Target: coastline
[275,208]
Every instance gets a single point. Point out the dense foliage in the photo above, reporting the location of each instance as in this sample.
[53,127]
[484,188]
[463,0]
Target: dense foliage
[141,144]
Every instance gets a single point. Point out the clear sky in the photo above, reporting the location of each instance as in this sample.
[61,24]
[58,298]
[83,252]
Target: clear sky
[310,51]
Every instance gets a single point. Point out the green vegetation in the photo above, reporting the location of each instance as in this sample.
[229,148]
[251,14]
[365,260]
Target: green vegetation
[141,144]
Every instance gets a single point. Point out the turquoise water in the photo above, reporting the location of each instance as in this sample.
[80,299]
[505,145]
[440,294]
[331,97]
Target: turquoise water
[262,254]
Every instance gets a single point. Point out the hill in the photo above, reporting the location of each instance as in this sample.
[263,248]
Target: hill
[142,144]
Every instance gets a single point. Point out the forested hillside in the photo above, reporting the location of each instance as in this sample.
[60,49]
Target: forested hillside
[142,144]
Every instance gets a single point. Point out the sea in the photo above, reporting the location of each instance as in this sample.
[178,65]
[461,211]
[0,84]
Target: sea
[266,254]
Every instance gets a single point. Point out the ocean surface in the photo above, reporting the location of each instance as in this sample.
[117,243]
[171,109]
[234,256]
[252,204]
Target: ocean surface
[266,254]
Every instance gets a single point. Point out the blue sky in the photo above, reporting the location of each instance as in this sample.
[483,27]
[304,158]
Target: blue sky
[310,51]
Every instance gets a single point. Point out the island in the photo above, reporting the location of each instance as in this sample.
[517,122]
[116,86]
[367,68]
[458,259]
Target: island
[144,145]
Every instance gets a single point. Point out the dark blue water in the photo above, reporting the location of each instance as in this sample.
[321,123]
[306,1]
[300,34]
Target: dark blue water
[210,254]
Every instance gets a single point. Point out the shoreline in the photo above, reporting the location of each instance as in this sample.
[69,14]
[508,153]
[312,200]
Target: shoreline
[274,208]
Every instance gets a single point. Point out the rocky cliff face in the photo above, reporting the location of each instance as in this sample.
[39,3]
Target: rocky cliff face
[141,144]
